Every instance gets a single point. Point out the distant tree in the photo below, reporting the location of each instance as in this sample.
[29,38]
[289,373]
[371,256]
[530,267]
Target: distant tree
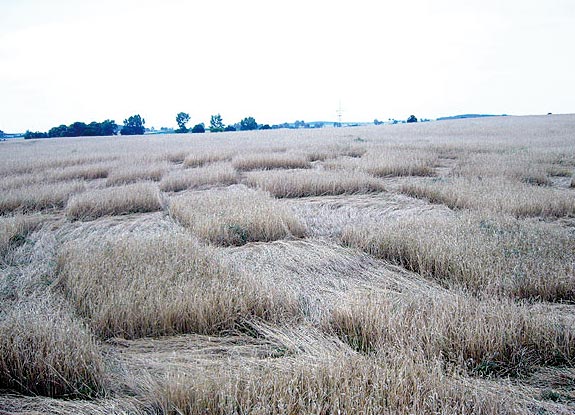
[230,128]
[265,127]
[1,134]
[182,119]
[199,128]
[216,124]
[377,122]
[60,131]
[92,129]
[412,118]
[248,123]
[77,129]
[134,125]
[29,135]
[108,127]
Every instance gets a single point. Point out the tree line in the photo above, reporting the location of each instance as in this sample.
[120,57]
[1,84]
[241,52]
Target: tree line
[132,126]
[217,124]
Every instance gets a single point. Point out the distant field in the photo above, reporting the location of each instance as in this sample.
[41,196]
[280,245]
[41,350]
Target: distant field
[410,269]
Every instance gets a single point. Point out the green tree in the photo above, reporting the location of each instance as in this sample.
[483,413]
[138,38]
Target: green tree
[134,125]
[108,127]
[412,118]
[199,128]
[29,135]
[182,119]
[61,131]
[77,129]
[216,124]
[248,123]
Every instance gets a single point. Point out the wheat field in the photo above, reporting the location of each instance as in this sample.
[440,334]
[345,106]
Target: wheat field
[395,269]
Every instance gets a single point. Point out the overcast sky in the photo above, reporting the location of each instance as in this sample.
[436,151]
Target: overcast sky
[64,61]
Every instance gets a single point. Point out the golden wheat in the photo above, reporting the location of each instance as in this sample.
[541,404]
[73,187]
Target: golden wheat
[160,285]
[495,195]
[486,337]
[337,383]
[15,229]
[356,299]
[498,255]
[301,183]
[135,173]
[44,350]
[38,197]
[268,161]
[121,200]
[212,175]
[235,216]
[201,158]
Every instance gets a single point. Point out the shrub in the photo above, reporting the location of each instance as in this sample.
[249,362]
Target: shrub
[199,128]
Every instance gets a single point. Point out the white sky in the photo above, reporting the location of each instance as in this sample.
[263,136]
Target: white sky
[71,60]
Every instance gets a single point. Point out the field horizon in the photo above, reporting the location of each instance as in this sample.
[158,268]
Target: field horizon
[421,268]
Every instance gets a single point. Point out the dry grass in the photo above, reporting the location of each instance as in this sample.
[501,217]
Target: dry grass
[486,337]
[135,286]
[301,183]
[400,167]
[49,176]
[20,180]
[44,350]
[121,200]
[319,375]
[212,175]
[38,197]
[532,167]
[135,173]
[333,151]
[387,161]
[176,157]
[201,158]
[235,216]
[382,303]
[495,195]
[15,229]
[269,161]
[495,255]
[86,172]
[355,385]
[68,158]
